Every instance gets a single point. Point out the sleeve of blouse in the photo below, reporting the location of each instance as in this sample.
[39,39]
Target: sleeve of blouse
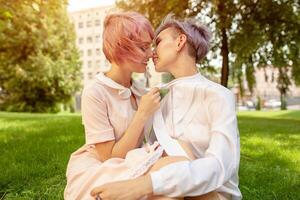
[95,118]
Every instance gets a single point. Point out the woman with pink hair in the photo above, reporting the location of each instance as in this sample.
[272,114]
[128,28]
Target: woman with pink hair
[116,111]
[117,114]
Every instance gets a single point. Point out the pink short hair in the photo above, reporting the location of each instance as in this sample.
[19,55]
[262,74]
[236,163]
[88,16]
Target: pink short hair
[122,36]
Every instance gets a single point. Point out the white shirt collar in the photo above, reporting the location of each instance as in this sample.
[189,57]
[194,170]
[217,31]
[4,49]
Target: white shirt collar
[123,92]
[183,79]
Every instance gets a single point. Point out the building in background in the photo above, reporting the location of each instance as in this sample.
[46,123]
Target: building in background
[88,25]
[266,90]
[266,84]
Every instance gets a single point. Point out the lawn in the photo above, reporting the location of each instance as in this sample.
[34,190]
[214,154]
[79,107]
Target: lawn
[35,149]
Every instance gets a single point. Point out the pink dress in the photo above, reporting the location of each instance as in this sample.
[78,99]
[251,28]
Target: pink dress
[106,114]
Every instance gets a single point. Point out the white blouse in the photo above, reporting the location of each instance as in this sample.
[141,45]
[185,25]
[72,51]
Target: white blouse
[202,114]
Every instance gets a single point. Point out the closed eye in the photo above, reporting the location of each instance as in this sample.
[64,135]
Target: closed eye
[157,42]
[144,48]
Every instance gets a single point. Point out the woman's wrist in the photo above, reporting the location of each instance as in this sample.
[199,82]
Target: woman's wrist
[142,116]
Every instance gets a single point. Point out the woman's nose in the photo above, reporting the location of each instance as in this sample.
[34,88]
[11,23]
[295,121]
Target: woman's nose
[150,53]
[153,52]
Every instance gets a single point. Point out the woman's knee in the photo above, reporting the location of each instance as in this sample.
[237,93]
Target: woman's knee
[209,196]
[164,161]
[163,198]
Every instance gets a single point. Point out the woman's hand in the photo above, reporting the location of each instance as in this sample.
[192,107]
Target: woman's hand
[149,103]
[130,190]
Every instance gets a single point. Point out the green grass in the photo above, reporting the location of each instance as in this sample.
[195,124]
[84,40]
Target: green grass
[270,155]
[35,149]
[34,153]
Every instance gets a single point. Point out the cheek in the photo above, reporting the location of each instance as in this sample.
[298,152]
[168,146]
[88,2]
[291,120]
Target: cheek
[166,51]
[143,56]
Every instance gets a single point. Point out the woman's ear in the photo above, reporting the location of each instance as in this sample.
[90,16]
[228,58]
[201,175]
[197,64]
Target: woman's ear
[181,40]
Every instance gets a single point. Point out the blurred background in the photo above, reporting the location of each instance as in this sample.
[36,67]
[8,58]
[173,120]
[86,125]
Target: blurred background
[51,49]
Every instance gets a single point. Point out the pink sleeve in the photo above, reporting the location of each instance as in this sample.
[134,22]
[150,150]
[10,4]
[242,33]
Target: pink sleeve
[95,118]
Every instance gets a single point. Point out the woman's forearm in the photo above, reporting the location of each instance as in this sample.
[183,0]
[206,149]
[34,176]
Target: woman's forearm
[131,137]
[149,103]
[145,185]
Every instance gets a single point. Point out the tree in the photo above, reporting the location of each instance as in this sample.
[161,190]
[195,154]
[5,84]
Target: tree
[284,82]
[155,10]
[268,35]
[219,13]
[242,30]
[39,62]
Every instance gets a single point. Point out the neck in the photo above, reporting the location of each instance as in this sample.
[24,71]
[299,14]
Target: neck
[120,76]
[184,67]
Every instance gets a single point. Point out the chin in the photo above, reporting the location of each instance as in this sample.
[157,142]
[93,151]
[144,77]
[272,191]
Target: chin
[140,71]
[158,68]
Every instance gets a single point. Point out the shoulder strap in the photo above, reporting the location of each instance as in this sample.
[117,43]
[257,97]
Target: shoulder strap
[170,145]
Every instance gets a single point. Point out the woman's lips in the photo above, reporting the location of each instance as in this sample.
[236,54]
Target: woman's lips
[145,62]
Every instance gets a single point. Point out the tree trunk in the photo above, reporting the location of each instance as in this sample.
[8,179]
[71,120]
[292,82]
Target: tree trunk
[224,42]
[283,105]
[224,53]
[283,83]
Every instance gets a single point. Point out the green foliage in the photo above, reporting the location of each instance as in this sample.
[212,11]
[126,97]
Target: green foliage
[39,62]
[218,12]
[254,33]
[155,10]
[267,34]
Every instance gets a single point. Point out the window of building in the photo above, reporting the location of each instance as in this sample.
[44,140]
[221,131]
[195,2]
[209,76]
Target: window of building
[97,22]
[81,53]
[80,40]
[89,24]
[97,38]
[89,52]
[89,39]
[90,75]
[98,51]
[80,25]
[89,64]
